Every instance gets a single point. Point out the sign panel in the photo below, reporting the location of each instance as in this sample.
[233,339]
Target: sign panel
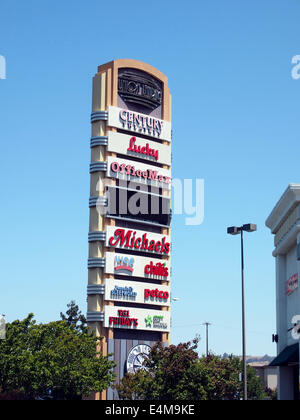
[139,88]
[137,240]
[139,147]
[291,284]
[136,266]
[139,123]
[138,172]
[136,319]
[137,292]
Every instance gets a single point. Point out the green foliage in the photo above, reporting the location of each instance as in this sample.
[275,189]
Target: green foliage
[221,377]
[172,373]
[256,390]
[55,357]
[271,394]
[133,386]
[224,383]
[177,373]
[74,317]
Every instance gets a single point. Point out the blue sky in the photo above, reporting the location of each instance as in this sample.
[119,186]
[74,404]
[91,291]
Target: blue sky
[235,124]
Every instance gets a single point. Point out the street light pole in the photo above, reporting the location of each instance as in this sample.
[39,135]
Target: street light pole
[207,324]
[243,321]
[233,230]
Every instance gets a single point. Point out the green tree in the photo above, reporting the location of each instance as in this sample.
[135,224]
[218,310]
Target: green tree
[56,358]
[221,377]
[74,317]
[177,373]
[172,374]
[271,394]
[255,386]
[224,383]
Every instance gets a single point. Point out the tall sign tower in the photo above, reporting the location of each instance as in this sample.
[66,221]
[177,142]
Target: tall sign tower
[129,230]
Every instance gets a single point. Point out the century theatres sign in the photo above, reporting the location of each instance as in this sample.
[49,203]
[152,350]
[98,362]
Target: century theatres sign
[139,123]
[135,146]
[136,318]
[138,172]
[137,292]
[137,266]
[137,240]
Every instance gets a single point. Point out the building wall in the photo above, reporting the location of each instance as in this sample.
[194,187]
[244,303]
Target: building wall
[284,222]
[271,377]
[292,300]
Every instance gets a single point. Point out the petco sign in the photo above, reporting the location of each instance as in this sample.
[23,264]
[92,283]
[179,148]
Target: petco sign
[137,292]
[136,266]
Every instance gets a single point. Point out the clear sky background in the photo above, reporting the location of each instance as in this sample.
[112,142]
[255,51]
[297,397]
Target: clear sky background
[235,124]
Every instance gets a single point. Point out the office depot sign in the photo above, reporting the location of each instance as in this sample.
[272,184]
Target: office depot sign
[137,240]
[139,123]
[136,266]
[138,172]
[137,292]
[136,319]
[138,147]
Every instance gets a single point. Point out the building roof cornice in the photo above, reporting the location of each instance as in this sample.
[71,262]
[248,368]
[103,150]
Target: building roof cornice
[287,202]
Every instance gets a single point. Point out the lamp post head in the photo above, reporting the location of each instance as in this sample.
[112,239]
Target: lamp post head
[233,230]
[249,227]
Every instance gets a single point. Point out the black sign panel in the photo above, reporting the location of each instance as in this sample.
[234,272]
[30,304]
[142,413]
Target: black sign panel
[139,88]
[144,206]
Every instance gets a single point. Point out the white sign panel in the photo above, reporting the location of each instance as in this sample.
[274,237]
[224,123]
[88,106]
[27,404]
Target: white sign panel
[139,123]
[136,266]
[138,172]
[291,284]
[136,319]
[137,240]
[137,292]
[139,147]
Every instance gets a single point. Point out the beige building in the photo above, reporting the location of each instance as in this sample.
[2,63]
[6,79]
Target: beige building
[284,223]
[267,373]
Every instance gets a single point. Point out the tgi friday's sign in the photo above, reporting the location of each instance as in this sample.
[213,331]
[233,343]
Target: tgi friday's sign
[139,147]
[136,266]
[137,292]
[138,172]
[137,240]
[136,319]
[139,123]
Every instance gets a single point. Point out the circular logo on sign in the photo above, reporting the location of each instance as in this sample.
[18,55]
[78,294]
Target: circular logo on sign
[136,357]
